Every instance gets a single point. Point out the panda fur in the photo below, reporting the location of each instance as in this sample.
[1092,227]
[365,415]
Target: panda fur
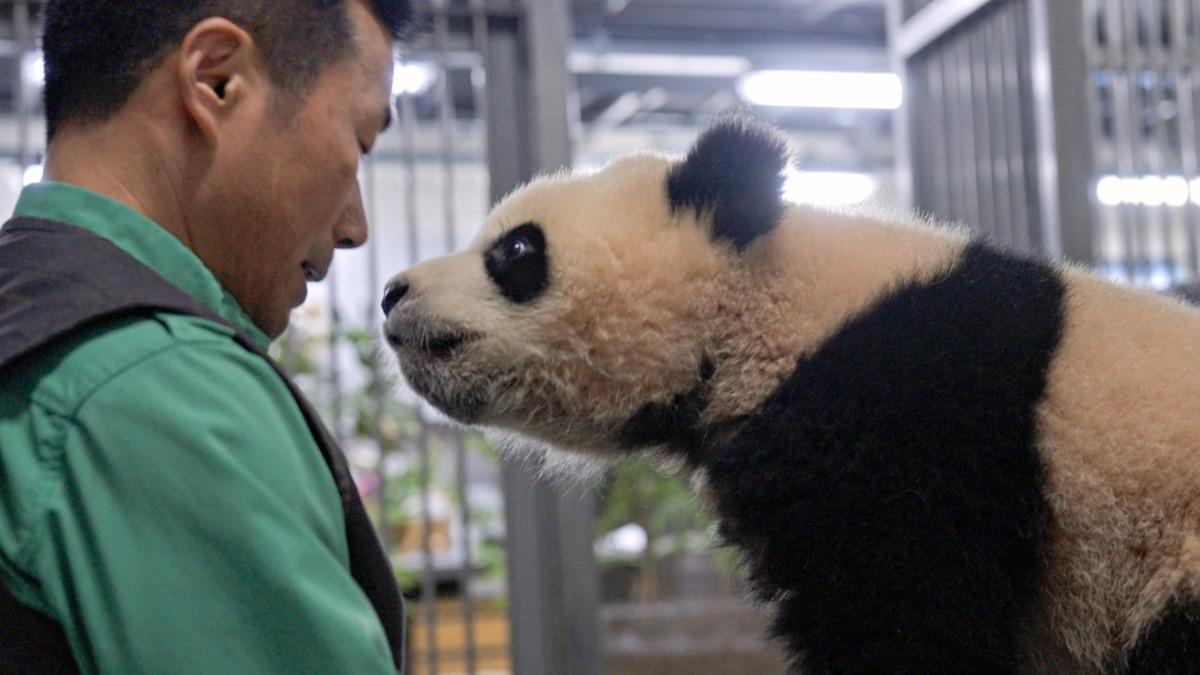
[936,456]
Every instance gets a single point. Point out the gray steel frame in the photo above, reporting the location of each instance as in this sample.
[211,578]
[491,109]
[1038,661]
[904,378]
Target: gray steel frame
[1048,56]
[1064,118]
[553,594]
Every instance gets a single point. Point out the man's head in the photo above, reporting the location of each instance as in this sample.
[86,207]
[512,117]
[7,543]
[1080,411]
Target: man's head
[238,125]
[97,53]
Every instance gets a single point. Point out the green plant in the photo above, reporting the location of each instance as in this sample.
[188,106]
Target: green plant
[637,492]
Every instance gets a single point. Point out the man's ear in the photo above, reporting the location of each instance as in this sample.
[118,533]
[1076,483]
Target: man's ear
[217,66]
[733,175]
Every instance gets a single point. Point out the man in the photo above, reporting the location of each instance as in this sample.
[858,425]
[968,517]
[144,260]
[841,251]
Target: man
[166,504]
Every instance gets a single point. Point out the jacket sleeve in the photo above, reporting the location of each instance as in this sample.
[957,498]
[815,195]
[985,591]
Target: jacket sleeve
[198,530]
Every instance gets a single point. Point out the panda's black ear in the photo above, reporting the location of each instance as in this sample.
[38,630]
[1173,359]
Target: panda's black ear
[734,173]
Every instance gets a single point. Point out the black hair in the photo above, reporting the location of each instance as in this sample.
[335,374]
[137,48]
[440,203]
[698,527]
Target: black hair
[98,52]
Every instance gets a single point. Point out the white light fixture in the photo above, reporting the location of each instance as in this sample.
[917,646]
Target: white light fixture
[1174,191]
[33,68]
[822,89]
[413,78]
[33,174]
[1151,190]
[1110,191]
[828,188]
[658,65]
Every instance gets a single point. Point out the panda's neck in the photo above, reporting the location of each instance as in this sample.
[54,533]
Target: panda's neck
[794,287]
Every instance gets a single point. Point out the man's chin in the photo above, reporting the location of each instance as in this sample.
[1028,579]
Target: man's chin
[273,324]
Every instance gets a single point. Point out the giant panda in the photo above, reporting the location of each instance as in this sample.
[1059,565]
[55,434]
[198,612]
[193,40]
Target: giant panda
[935,456]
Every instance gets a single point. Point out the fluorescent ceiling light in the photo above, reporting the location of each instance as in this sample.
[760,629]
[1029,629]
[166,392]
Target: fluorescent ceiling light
[661,65]
[822,89]
[33,68]
[828,188]
[1147,190]
[413,78]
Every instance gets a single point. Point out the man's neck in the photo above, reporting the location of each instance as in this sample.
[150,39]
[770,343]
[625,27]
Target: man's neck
[122,160]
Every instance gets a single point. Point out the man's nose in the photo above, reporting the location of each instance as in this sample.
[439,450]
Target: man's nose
[351,228]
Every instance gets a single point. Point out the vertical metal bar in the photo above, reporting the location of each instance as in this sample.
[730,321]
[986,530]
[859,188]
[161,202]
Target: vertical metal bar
[984,154]
[1097,32]
[1023,201]
[1183,215]
[1189,160]
[467,572]
[1132,44]
[959,79]
[1058,68]
[937,135]
[956,133]
[1156,147]
[968,117]
[335,357]
[917,109]
[1002,174]
[907,154]
[480,30]
[1023,97]
[24,34]
[1123,80]
[408,114]
[1182,244]
[552,577]
[376,390]
[446,118]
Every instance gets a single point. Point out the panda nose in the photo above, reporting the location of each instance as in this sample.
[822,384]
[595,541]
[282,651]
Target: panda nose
[393,294]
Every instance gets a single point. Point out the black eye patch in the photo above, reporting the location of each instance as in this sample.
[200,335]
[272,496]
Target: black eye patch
[518,265]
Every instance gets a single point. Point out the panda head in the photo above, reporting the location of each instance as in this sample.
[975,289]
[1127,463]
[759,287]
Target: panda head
[586,300]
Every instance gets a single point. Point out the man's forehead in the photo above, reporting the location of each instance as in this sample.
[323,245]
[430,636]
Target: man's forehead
[373,42]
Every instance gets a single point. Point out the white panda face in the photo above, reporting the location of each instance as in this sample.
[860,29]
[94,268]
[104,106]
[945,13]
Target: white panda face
[582,299]
[578,301]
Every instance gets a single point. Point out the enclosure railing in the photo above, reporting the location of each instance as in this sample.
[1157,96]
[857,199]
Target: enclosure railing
[1067,127]
[491,113]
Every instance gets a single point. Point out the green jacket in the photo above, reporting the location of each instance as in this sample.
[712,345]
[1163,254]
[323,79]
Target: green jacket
[160,494]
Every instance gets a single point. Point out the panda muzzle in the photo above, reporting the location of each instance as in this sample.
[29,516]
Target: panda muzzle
[413,336]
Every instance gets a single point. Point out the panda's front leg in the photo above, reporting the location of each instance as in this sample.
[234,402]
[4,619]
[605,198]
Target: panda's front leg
[894,636]
[883,567]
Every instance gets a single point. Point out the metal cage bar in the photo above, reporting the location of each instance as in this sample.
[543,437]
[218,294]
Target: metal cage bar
[553,593]
[993,84]
[1098,107]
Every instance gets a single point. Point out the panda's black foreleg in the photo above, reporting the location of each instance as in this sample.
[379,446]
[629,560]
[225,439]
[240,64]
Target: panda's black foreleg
[924,645]
[880,660]
[1172,645]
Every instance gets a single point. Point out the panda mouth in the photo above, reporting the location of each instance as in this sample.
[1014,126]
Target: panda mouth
[442,347]
[437,346]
